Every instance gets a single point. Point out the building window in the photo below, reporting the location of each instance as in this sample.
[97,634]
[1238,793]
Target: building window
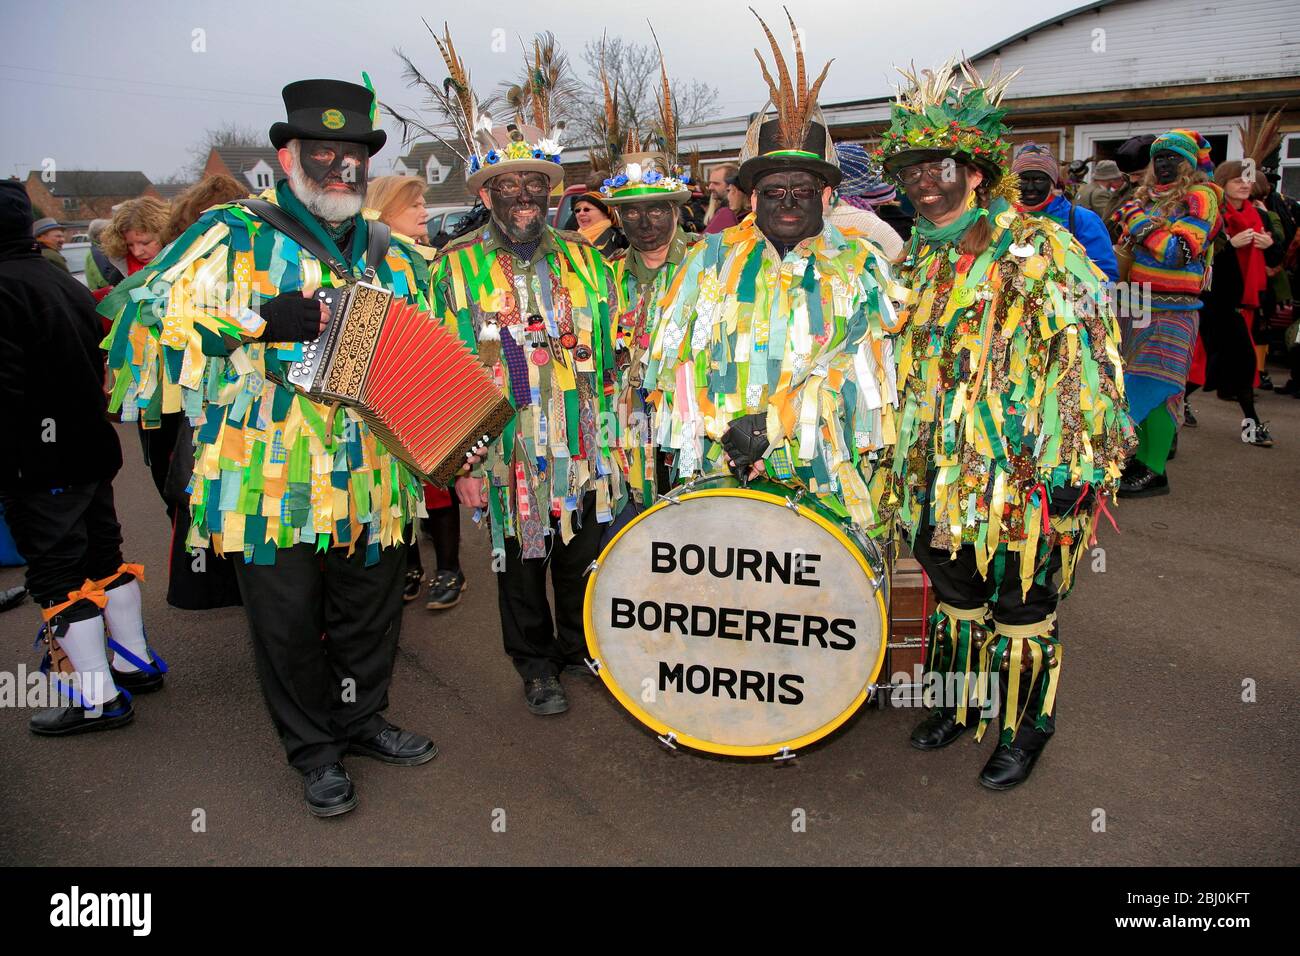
[70,204]
[1289,167]
[263,180]
[435,172]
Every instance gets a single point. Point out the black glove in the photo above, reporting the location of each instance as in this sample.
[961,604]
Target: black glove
[745,442]
[291,317]
[1064,501]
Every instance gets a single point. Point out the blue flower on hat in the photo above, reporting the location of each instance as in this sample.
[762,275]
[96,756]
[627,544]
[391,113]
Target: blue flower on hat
[474,164]
[651,177]
[555,158]
[608,183]
[620,180]
[538,154]
[685,177]
[492,157]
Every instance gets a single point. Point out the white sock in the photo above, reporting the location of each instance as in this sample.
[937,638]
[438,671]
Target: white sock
[126,624]
[85,647]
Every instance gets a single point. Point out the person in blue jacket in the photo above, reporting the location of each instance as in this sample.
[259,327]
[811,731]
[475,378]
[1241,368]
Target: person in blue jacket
[1039,175]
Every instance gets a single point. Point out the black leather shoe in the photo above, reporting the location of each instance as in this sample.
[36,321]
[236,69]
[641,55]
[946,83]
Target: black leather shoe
[579,669]
[1142,482]
[1009,766]
[65,721]
[445,590]
[328,790]
[938,730]
[395,745]
[545,696]
[411,589]
[10,598]
[138,681]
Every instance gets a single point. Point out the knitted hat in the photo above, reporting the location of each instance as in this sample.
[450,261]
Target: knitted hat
[1135,155]
[1106,169]
[861,176]
[1187,143]
[1037,158]
[15,211]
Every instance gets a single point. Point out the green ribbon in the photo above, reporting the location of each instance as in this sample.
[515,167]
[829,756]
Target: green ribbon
[951,232]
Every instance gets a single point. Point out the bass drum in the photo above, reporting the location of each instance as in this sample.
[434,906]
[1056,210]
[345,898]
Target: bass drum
[747,622]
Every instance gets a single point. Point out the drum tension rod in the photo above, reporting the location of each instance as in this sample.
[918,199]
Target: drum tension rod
[785,754]
[671,501]
[668,741]
[593,665]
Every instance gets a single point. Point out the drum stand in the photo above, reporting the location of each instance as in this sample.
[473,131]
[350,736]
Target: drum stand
[908,602]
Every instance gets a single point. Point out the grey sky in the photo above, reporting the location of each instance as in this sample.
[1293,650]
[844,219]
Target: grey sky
[109,84]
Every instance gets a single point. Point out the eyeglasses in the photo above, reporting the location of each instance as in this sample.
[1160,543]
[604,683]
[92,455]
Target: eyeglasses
[654,214]
[777,193]
[942,172]
[510,189]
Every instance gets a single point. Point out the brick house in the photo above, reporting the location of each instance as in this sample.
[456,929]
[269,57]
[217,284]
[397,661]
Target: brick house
[444,173]
[78,196]
[257,166]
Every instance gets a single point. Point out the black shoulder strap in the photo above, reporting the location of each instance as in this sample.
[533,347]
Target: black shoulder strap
[377,248]
[291,227]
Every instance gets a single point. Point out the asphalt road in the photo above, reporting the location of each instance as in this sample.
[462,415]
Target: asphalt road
[1198,595]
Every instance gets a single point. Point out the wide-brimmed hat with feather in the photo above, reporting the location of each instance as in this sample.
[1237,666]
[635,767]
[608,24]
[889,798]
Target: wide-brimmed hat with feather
[646,169]
[528,141]
[797,138]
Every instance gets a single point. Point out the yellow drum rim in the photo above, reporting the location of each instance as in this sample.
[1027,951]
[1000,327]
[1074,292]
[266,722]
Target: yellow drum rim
[709,746]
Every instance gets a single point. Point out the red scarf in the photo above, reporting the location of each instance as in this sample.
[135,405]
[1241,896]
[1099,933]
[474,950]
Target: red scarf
[133,265]
[1250,259]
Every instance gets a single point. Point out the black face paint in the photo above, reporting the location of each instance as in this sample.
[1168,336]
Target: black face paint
[1035,187]
[789,206]
[648,225]
[331,163]
[940,190]
[1166,165]
[519,204]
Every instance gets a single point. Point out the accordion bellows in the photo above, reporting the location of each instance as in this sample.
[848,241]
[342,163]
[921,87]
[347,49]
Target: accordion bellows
[421,391]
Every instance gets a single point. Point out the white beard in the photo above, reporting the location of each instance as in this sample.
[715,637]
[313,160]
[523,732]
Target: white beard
[332,207]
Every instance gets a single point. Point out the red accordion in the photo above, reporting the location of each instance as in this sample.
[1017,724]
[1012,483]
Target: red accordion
[421,391]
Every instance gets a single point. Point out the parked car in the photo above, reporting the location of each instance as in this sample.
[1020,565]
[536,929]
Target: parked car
[76,254]
[444,218]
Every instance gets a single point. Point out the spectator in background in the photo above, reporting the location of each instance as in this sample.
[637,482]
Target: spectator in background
[186,208]
[737,199]
[1233,299]
[135,234]
[1099,194]
[856,197]
[50,236]
[595,223]
[398,202]
[1132,158]
[1038,172]
[719,215]
[100,273]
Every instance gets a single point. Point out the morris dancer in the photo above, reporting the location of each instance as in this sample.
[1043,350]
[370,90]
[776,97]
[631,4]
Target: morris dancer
[534,303]
[770,347]
[1012,422]
[309,505]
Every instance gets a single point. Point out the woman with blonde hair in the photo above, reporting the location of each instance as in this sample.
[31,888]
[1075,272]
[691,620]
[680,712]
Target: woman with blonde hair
[135,234]
[398,202]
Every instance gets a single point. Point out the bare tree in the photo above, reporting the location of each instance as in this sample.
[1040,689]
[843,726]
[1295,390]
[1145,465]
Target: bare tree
[631,72]
[227,135]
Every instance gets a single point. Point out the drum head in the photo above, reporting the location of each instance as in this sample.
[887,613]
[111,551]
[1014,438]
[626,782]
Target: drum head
[736,622]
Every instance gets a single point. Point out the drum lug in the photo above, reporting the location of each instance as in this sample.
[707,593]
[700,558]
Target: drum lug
[593,665]
[667,498]
[785,754]
[592,567]
[668,741]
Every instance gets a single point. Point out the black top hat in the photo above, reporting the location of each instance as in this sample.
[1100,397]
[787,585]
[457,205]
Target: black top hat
[771,156]
[328,109]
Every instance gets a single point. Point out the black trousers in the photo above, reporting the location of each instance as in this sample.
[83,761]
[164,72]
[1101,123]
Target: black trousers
[957,581]
[158,445]
[324,631]
[539,645]
[67,535]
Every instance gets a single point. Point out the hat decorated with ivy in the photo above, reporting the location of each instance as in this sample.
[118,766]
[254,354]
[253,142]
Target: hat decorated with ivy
[948,112]
[797,138]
